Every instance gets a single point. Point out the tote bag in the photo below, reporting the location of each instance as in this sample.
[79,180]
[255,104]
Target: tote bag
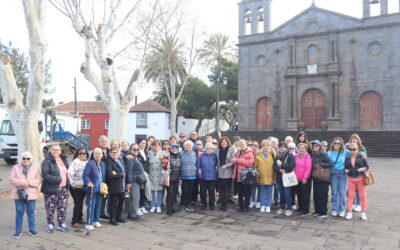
[289,179]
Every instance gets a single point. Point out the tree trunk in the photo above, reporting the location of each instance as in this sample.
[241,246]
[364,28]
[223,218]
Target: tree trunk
[173,117]
[24,118]
[199,123]
[117,122]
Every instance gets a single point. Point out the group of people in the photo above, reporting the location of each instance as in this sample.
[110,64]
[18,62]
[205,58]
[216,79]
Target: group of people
[140,174]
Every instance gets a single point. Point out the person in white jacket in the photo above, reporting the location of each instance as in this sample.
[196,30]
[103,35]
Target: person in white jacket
[75,172]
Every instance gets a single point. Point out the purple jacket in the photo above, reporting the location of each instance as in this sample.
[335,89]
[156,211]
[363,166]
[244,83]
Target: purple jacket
[207,167]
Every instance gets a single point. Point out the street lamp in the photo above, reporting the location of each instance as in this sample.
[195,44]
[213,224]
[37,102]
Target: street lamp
[219,83]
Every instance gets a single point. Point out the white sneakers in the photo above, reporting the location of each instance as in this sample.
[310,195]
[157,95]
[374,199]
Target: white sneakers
[364,216]
[143,210]
[262,209]
[252,204]
[349,216]
[139,212]
[342,214]
[97,224]
[258,204]
[268,210]
[334,213]
[89,227]
[288,213]
[280,211]
[357,208]
[152,210]
[158,209]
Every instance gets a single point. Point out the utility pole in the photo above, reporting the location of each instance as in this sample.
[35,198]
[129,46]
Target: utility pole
[75,97]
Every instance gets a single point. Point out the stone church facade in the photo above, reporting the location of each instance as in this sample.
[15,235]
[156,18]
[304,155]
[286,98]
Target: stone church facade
[319,66]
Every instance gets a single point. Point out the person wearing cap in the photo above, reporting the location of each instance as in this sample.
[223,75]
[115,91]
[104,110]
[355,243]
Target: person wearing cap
[75,172]
[174,177]
[321,187]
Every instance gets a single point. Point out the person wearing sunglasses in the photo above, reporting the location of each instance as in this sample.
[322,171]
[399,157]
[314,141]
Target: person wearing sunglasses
[25,180]
[134,169]
[355,167]
[337,154]
[75,172]
[324,146]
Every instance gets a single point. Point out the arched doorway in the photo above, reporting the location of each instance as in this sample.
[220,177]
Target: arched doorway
[371,111]
[313,108]
[265,114]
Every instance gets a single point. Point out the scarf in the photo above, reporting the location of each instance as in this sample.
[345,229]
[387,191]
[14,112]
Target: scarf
[223,152]
[25,170]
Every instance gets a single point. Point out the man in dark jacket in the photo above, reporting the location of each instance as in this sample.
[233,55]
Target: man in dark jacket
[115,179]
[134,170]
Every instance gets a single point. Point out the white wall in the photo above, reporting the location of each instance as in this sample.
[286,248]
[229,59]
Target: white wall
[158,126]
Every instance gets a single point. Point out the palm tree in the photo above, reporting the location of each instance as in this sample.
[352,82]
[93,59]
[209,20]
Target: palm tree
[165,65]
[215,48]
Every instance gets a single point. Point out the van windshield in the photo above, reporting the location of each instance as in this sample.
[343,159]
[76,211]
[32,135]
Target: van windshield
[6,128]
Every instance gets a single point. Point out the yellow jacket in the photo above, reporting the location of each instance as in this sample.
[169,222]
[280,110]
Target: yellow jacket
[265,166]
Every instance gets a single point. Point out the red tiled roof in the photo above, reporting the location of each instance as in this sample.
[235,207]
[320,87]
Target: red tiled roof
[83,107]
[149,106]
[99,107]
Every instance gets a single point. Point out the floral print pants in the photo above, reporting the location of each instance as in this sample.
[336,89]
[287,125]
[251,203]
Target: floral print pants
[57,201]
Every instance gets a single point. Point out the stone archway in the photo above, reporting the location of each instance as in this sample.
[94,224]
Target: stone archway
[313,108]
[265,114]
[371,111]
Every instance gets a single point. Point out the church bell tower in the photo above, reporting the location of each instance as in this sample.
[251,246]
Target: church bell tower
[254,17]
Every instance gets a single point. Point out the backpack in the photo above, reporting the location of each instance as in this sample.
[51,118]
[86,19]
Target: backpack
[248,176]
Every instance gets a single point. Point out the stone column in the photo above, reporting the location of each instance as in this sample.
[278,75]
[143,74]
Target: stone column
[242,21]
[366,8]
[384,7]
[254,20]
[267,15]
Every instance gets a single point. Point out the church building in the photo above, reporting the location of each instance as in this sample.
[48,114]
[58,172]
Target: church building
[320,67]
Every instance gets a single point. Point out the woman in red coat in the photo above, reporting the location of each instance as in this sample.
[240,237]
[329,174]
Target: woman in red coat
[244,159]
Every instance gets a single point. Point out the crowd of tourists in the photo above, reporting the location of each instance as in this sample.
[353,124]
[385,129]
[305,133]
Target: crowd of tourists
[150,175]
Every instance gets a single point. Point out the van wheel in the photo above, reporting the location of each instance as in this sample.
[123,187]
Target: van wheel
[10,161]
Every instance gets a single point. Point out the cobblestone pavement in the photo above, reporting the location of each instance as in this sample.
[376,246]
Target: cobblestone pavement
[229,230]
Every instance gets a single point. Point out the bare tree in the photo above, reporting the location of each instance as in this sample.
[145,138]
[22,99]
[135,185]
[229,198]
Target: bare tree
[24,118]
[98,23]
[173,53]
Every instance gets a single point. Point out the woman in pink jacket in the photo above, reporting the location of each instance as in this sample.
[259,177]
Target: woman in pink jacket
[244,159]
[303,173]
[25,179]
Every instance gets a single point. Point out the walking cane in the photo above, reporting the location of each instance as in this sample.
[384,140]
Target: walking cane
[90,210]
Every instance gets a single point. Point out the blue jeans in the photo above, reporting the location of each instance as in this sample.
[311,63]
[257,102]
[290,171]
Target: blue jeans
[160,197]
[94,204]
[276,192]
[286,197]
[265,195]
[255,190]
[20,206]
[339,191]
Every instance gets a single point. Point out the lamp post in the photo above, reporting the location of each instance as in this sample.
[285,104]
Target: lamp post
[222,81]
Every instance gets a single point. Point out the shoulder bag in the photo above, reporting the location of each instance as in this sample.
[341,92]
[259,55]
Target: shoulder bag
[103,186]
[320,173]
[368,178]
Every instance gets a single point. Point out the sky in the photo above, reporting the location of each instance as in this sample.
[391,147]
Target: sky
[65,47]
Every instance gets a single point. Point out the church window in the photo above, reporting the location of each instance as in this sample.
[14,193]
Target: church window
[312,54]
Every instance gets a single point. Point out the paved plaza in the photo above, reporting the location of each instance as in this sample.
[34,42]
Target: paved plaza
[227,230]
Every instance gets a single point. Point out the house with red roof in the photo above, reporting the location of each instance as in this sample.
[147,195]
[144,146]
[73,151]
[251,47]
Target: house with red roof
[144,119]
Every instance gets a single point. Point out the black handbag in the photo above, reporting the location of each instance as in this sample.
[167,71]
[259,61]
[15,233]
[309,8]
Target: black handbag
[248,176]
[22,194]
[140,179]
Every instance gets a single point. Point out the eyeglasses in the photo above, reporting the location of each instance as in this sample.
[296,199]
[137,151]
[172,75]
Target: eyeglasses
[182,136]
[135,149]
[166,143]
[81,153]
[251,145]
[26,159]
[352,149]
[291,148]
[324,146]
[337,143]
